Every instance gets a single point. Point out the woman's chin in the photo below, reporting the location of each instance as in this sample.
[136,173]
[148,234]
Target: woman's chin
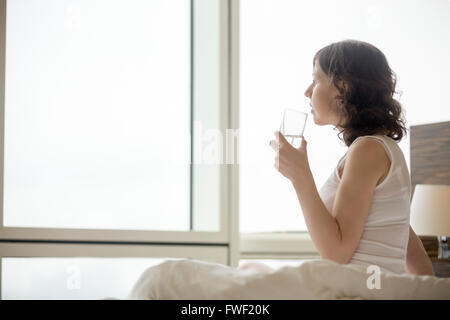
[316,121]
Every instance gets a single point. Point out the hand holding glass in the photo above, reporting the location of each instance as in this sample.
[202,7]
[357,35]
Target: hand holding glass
[293,126]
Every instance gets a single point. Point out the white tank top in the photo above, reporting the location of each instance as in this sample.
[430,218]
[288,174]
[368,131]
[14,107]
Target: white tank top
[385,236]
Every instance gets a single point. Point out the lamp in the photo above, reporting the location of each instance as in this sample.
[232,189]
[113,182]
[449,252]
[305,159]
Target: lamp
[430,214]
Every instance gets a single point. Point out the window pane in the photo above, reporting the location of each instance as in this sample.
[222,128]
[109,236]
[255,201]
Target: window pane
[207,57]
[97,114]
[276,66]
[71,278]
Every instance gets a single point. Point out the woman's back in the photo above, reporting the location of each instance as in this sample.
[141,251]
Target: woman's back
[385,236]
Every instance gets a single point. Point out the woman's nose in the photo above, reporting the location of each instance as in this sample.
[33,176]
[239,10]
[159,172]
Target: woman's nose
[308,92]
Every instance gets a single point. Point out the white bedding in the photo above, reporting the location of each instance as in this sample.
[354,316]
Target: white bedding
[314,279]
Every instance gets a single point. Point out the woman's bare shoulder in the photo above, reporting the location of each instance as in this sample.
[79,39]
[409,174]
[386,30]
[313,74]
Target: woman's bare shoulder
[373,154]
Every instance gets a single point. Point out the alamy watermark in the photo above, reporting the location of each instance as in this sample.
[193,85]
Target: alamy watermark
[213,145]
[73,280]
[374,280]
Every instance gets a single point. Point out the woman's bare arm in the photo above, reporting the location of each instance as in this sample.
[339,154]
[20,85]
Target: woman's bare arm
[417,260]
[336,234]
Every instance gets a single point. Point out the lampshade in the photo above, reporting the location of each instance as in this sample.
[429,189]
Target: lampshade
[430,210]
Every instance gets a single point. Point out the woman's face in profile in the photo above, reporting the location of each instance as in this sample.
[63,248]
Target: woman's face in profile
[322,95]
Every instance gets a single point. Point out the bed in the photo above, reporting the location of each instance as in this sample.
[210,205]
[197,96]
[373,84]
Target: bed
[313,279]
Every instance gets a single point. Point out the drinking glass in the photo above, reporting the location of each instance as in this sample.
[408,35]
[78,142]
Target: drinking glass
[293,125]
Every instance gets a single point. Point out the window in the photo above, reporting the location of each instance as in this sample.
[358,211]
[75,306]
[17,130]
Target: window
[115,116]
[100,148]
[86,271]
[71,278]
[100,117]
[94,136]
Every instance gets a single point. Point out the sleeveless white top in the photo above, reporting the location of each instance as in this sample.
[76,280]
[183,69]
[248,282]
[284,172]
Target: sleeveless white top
[385,237]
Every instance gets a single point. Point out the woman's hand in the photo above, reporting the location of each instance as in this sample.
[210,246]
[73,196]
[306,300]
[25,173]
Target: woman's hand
[289,161]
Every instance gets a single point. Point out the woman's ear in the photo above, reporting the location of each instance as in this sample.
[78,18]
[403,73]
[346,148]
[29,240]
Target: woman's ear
[344,86]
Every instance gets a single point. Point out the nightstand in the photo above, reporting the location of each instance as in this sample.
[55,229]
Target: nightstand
[441,267]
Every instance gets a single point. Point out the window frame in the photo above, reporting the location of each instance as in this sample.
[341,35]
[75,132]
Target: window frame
[277,245]
[114,235]
[216,253]
[23,241]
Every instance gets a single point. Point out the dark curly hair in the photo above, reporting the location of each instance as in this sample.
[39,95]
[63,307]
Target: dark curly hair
[367,103]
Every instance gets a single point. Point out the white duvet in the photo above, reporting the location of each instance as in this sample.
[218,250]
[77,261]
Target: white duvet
[314,279]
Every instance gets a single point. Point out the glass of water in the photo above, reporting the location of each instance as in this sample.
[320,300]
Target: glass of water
[293,125]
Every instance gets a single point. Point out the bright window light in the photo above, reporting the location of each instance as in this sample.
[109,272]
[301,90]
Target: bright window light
[278,41]
[97,114]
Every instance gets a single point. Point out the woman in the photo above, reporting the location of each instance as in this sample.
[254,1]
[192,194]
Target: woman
[361,214]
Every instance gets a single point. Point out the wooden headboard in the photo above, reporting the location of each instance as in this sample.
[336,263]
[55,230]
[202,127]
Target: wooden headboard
[430,153]
[430,162]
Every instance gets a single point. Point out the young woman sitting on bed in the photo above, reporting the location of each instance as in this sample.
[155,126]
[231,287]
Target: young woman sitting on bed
[361,214]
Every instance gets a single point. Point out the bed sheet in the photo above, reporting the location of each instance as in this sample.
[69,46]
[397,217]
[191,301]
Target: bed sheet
[322,279]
